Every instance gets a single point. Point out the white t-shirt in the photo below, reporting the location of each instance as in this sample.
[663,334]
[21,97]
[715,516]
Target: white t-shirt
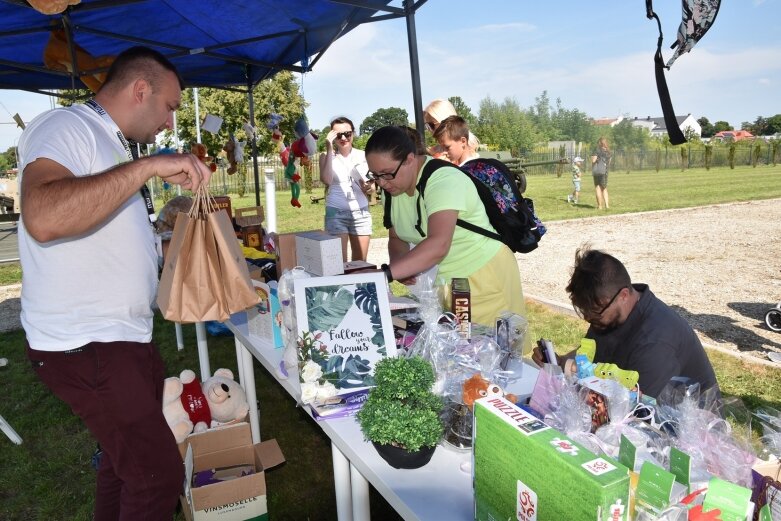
[345,192]
[99,286]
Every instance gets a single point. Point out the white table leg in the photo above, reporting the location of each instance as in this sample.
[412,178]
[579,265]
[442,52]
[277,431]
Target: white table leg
[203,350]
[344,506]
[9,431]
[360,492]
[244,361]
[179,336]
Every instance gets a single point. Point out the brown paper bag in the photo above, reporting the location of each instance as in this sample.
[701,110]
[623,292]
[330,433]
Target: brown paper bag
[205,276]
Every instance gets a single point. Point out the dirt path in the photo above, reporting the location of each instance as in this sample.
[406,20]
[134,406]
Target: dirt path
[717,265]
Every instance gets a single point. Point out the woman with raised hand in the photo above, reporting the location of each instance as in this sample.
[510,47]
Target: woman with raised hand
[343,169]
[600,163]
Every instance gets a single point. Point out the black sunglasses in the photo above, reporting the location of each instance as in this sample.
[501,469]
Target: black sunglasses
[384,176]
[344,135]
[599,313]
[431,126]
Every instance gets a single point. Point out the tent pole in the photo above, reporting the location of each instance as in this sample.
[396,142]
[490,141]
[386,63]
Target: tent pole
[414,65]
[197,116]
[254,141]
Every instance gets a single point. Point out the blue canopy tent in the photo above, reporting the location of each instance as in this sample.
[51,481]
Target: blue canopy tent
[232,45]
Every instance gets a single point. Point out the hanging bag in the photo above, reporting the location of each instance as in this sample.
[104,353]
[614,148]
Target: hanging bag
[205,276]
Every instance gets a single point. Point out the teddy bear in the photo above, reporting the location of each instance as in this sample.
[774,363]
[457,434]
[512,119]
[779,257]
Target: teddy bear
[478,387]
[234,150]
[57,56]
[191,406]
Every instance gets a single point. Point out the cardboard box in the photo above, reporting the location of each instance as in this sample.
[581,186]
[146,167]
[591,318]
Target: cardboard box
[319,253]
[526,470]
[238,499]
[249,216]
[252,236]
[285,244]
[223,202]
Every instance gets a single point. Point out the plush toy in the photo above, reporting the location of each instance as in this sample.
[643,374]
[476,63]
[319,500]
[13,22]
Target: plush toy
[290,168]
[478,387]
[234,150]
[191,406]
[57,57]
[199,150]
[585,367]
[52,6]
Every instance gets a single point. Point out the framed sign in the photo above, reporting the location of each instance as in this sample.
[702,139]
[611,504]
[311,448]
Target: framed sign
[344,326]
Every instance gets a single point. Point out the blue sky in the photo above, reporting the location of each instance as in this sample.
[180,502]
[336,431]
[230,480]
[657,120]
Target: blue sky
[596,56]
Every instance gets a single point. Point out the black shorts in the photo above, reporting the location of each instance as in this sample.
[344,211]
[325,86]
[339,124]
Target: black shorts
[600,180]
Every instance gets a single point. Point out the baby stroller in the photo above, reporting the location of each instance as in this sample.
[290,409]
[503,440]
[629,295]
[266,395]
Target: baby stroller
[773,318]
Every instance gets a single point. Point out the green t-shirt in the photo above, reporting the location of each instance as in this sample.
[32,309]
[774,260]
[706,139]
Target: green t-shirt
[448,189]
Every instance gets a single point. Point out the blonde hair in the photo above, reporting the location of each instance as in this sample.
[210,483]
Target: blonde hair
[440,110]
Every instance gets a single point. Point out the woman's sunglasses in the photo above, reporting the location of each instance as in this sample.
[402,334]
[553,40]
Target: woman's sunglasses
[344,135]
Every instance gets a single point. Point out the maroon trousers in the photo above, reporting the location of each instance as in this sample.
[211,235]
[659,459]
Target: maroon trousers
[116,389]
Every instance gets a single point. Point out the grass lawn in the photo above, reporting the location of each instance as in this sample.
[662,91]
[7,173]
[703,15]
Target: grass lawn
[49,476]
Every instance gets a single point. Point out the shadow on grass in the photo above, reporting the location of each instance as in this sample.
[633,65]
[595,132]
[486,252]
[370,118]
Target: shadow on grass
[724,329]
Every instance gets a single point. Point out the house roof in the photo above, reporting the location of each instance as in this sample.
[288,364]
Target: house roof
[659,124]
[605,121]
[735,134]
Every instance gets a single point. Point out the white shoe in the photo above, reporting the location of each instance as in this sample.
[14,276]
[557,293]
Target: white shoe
[569,198]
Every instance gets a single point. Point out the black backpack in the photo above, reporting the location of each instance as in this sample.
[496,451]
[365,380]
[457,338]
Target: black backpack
[511,214]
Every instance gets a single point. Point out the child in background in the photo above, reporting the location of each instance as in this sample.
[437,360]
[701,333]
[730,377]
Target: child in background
[576,175]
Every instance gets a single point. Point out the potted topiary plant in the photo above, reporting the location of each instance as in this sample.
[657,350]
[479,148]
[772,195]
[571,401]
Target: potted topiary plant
[401,416]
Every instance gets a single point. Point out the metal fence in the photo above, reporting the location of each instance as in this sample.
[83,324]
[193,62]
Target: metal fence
[666,158]
[242,182]
[681,157]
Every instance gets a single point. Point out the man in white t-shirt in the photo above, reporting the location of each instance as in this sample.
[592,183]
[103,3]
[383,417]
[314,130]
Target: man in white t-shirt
[89,267]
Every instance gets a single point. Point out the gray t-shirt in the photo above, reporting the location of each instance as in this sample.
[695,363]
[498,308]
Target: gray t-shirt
[657,343]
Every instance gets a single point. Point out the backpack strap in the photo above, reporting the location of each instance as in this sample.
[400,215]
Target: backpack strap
[432,166]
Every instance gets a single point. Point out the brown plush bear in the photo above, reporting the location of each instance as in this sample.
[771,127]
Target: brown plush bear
[478,387]
[57,57]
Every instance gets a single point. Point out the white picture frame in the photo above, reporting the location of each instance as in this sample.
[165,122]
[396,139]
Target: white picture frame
[344,325]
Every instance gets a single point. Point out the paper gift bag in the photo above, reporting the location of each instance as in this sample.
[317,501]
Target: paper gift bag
[205,276]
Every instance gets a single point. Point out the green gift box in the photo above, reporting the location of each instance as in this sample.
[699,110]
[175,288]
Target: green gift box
[526,470]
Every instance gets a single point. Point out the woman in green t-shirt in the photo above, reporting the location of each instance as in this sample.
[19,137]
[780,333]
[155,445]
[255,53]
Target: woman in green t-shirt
[396,158]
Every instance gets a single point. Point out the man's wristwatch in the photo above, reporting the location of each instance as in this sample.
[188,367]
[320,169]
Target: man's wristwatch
[386,269]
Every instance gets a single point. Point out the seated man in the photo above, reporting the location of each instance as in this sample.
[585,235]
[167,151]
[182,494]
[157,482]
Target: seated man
[632,328]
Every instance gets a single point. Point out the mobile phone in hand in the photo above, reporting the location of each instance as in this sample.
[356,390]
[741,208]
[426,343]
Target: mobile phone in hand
[547,351]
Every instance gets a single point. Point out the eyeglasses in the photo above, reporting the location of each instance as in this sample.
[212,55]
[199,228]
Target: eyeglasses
[431,126]
[586,315]
[344,135]
[385,176]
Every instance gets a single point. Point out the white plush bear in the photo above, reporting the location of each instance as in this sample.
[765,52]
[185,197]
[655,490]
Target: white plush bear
[189,406]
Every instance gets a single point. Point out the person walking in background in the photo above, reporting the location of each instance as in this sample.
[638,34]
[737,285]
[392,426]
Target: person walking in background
[574,197]
[435,113]
[89,263]
[600,163]
[396,158]
[343,170]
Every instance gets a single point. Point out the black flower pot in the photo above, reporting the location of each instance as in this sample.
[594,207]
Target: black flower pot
[402,458]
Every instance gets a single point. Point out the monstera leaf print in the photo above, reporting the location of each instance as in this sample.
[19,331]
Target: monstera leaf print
[327,306]
[367,301]
[349,373]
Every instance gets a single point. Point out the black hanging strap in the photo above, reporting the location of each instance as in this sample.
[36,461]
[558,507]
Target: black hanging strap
[673,130]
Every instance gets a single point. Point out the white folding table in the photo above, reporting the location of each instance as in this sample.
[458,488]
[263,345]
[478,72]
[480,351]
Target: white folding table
[442,489]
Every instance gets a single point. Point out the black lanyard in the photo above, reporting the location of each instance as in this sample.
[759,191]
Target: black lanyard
[145,194]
